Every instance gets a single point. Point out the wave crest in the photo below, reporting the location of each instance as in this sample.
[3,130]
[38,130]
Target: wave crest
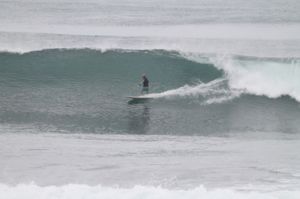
[272,78]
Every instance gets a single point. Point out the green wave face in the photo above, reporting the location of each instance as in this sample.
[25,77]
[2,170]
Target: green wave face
[121,69]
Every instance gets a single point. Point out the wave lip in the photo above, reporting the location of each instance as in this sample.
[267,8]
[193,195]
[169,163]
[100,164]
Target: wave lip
[264,78]
[269,77]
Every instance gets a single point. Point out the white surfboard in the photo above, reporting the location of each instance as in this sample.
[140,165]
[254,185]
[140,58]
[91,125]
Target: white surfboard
[141,97]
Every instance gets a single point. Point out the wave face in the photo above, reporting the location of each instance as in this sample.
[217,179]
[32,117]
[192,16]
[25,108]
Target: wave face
[85,90]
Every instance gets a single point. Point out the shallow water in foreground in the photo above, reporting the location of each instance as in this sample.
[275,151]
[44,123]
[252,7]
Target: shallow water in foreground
[270,163]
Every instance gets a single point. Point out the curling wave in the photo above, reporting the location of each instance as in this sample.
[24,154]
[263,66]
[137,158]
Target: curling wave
[86,90]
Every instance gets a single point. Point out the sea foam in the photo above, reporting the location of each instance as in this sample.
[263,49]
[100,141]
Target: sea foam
[269,78]
[272,78]
[212,92]
[79,191]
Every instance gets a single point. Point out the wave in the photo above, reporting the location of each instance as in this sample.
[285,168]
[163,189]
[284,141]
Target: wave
[75,191]
[272,78]
[267,78]
[86,90]
[211,77]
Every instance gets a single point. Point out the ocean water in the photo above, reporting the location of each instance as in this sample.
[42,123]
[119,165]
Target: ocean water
[223,121]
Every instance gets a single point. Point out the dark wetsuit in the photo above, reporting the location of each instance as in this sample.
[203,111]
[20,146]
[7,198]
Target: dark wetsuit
[145,84]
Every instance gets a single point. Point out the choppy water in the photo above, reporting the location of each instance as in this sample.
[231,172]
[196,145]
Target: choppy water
[223,121]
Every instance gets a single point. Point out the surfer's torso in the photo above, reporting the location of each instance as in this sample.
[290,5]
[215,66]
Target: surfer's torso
[145,82]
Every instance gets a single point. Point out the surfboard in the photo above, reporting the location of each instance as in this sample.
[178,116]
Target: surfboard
[138,99]
[141,97]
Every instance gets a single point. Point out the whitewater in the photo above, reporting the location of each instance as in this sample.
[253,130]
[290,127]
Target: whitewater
[224,116]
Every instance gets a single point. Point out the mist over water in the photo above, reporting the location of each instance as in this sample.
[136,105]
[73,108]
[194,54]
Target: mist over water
[222,122]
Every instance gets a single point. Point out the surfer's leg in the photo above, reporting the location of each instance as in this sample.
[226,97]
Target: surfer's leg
[145,90]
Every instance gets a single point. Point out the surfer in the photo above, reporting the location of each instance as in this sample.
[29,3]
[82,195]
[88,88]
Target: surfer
[145,84]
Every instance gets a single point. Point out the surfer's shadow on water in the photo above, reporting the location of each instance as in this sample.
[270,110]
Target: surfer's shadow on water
[138,118]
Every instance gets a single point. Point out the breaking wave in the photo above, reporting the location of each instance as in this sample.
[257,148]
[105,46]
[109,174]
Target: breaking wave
[213,77]
[75,191]
[86,90]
